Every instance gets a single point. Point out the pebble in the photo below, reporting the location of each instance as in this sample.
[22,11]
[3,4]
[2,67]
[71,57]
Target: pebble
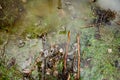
[61,50]
[109,50]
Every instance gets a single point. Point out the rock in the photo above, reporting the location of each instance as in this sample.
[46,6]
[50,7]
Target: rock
[61,50]
[109,50]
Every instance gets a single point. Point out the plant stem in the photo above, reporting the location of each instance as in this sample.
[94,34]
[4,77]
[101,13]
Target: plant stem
[67,47]
[78,46]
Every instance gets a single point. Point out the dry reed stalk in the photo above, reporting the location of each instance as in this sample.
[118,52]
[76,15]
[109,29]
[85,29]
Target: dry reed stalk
[66,53]
[78,46]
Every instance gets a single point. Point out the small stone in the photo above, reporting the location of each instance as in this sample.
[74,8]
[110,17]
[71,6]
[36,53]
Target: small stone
[61,50]
[68,59]
[109,50]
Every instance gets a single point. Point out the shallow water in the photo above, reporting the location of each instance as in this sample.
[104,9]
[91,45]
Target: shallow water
[43,16]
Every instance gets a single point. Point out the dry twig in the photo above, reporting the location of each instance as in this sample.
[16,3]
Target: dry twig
[78,46]
[67,47]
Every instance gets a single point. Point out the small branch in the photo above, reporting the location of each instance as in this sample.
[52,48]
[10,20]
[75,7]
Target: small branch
[67,47]
[78,46]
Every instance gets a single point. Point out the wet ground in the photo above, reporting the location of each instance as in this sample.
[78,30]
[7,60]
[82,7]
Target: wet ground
[43,16]
[40,14]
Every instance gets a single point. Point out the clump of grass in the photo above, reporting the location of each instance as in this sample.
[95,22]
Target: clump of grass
[7,72]
[102,61]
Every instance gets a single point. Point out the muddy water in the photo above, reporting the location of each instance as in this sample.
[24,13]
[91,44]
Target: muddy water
[45,15]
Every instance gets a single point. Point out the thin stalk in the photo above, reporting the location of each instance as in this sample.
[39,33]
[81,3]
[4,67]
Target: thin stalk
[67,47]
[78,46]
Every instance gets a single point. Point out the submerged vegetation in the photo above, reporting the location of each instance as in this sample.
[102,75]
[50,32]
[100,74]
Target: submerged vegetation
[10,11]
[43,44]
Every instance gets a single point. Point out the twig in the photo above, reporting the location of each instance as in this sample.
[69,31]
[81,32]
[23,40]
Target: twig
[67,47]
[78,46]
